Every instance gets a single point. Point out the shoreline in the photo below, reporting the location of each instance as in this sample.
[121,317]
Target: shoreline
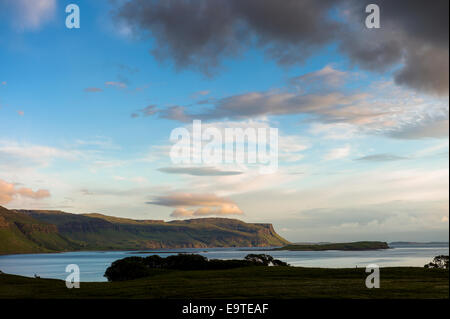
[251,248]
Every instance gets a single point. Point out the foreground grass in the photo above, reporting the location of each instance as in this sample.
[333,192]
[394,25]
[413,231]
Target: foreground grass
[253,282]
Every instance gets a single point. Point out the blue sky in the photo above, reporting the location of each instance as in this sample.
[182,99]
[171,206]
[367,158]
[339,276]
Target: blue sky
[362,154]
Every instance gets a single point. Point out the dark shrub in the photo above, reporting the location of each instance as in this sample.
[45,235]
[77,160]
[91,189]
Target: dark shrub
[186,262]
[127,269]
[217,264]
[154,261]
[138,267]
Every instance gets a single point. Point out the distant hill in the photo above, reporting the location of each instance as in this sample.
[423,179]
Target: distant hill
[355,246]
[35,231]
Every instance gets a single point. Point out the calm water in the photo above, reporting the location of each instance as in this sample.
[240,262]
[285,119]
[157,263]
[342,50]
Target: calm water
[93,264]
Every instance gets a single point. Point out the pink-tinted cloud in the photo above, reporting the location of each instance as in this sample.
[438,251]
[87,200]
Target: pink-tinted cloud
[222,210]
[201,205]
[9,191]
[27,14]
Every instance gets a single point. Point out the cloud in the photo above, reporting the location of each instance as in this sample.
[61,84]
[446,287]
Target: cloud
[120,85]
[326,76]
[93,90]
[390,220]
[223,210]
[27,14]
[146,111]
[428,128]
[381,158]
[176,113]
[206,205]
[382,109]
[29,155]
[266,103]
[200,94]
[338,153]
[198,171]
[414,35]
[188,199]
[9,192]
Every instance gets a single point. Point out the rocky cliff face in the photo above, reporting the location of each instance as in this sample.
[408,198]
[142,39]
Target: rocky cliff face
[59,231]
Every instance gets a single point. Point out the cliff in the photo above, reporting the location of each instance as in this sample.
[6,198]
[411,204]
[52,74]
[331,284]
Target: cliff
[30,231]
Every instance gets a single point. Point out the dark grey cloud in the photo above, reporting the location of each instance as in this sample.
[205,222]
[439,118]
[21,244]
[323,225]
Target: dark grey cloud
[381,158]
[413,33]
[198,171]
[201,33]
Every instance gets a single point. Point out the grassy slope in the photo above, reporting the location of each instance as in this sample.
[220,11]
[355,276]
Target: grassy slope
[360,245]
[258,282]
[19,233]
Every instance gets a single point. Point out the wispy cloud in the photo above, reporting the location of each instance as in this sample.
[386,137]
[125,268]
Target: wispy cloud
[146,111]
[14,153]
[381,158]
[117,84]
[93,90]
[328,75]
[198,171]
[29,14]
[338,153]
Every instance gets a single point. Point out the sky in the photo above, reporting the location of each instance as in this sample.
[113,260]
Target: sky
[86,114]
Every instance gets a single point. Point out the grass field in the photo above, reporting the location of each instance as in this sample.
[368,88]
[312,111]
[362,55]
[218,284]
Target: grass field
[252,282]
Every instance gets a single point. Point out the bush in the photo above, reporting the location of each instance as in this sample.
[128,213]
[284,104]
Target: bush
[265,260]
[138,267]
[440,262]
[127,269]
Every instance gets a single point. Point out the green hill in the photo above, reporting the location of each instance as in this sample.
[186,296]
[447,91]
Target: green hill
[20,233]
[33,231]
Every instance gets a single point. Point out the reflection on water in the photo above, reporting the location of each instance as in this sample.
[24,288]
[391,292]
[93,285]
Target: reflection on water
[93,264]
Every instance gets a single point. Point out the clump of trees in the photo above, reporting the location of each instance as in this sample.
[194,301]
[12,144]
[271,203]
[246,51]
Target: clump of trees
[265,260]
[139,267]
[440,262]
